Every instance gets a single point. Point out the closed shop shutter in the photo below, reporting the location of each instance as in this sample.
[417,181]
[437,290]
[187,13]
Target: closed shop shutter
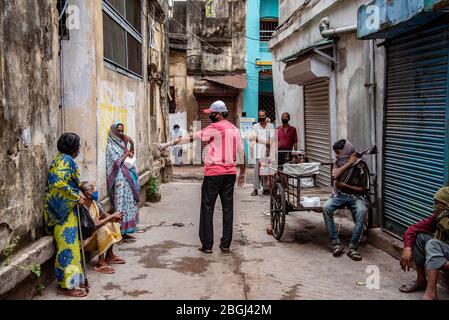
[205,103]
[415,137]
[317,127]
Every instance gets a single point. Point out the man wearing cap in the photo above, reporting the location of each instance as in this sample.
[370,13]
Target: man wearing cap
[426,243]
[224,151]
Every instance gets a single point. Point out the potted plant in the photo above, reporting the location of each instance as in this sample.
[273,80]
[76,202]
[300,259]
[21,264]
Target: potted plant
[152,190]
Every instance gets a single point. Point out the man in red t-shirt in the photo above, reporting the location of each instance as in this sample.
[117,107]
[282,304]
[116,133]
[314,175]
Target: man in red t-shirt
[224,151]
[287,139]
[426,243]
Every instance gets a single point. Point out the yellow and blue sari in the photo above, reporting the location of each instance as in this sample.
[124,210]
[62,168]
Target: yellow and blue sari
[61,198]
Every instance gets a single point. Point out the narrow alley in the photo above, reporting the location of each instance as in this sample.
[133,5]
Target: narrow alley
[164,262]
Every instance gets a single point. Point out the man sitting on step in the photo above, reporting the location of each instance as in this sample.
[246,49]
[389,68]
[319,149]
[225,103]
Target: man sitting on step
[426,243]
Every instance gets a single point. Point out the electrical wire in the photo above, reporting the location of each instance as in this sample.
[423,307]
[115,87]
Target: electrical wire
[211,45]
[237,33]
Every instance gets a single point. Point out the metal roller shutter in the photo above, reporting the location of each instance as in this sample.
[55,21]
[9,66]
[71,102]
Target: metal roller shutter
[415,137]
[317,127]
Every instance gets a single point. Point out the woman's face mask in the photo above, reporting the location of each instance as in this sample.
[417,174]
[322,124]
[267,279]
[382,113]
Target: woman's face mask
[95,196]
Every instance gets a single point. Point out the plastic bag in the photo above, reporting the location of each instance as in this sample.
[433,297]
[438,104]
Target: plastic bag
[310,202]
[130,162]
[302,168]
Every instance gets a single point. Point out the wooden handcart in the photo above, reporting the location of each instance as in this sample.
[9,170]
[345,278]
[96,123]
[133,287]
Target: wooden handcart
[286,193]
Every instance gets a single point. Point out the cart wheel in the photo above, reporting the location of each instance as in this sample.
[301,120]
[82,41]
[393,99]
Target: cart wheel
[278,210]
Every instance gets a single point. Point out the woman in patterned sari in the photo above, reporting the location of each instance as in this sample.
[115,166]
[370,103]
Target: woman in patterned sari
[107,231]
[61,197]
[123,184]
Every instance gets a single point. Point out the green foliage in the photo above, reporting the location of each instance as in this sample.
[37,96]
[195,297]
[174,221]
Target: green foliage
[152,188]
[9,249]
[209,13]
[40,289]
[36,269]
[7,253]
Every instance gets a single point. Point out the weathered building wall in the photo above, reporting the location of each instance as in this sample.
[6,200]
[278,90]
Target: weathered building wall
[80,72]
[122,99]
[28,114]
[34,81]
[223,54]
[353,113]
[351,106]
[178,80]
[96,95]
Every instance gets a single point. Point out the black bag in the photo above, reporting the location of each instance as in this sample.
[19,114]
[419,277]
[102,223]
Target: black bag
[86,221]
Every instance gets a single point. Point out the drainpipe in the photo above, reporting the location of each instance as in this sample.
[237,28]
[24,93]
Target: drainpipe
[370,84]
[327,32]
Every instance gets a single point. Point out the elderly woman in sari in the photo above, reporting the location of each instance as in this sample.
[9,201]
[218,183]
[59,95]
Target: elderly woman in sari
[123,184]
[61,197]
[107,231]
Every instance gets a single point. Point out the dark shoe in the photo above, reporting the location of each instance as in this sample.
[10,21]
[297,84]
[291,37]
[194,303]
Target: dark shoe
[354,254]
[224,250]
[254,193]
[204,250]
[266,192]
[337,250]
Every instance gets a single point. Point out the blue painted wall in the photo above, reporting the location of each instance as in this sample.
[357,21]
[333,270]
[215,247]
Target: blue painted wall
[256,9]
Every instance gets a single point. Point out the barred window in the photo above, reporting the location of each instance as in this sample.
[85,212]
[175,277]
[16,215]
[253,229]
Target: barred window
[122,40]
[267,27]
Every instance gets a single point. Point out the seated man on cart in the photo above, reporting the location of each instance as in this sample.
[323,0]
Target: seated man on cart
[351,176]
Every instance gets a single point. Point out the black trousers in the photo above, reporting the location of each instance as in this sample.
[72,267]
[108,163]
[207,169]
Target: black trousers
[213,187]
[283,156]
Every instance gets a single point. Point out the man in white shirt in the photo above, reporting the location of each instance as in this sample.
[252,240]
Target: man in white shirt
[177,151]
[260,136]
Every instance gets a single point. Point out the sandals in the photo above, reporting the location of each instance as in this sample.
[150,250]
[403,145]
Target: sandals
[76,293]
[104,269]
[338,250]
[412,286]
[115,260]
[354,255]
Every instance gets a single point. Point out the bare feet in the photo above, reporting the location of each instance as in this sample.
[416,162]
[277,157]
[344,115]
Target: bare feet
[429,297]
[112,259]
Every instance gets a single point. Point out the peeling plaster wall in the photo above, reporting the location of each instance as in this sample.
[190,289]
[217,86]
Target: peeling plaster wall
[28,114]
[121,99]
[96,95]
[349,101]
[223,32]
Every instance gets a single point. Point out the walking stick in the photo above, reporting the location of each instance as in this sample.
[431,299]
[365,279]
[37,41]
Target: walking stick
[83,257]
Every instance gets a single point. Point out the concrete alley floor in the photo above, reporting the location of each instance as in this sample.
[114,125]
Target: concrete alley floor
[164,262]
